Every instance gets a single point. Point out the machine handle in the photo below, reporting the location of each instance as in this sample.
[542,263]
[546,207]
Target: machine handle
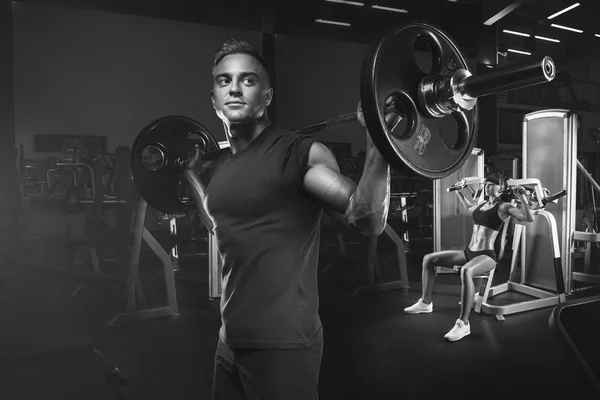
[553,197]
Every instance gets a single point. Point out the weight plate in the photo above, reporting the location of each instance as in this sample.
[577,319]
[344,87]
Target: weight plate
[390,69]
[157,177]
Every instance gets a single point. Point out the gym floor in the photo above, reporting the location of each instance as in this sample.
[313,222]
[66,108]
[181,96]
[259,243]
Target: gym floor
[372,349]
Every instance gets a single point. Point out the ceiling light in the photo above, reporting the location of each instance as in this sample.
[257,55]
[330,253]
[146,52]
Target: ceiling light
[597,35]
[516,33]
[564,11]
[326,21]
[519,52]
[566,28]
[547,39]
[489,66]
[352,3]
[384,8]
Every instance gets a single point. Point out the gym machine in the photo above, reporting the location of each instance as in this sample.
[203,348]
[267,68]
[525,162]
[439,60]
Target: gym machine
[544,242]
[550,153]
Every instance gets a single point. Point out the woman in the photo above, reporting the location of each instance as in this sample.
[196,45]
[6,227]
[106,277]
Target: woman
[479,256]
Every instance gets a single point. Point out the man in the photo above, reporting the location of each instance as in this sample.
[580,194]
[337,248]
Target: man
[264,202]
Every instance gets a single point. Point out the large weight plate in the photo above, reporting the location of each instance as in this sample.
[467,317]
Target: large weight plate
[390,69]
[158,179]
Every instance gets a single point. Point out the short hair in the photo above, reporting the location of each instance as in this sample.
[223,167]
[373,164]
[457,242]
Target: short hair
[236,46]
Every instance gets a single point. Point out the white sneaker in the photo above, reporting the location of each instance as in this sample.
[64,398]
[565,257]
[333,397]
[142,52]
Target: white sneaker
[419,307]
[459,331]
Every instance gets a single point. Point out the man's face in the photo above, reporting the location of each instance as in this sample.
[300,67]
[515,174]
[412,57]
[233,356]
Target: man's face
[241,90]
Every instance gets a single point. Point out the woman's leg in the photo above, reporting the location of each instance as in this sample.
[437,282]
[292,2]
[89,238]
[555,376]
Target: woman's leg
[446,258]
[477,266]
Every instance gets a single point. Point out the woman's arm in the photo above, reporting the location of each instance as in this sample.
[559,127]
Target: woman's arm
[465,202]
[522,215]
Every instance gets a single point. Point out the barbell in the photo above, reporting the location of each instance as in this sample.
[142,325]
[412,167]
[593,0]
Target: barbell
[389,70]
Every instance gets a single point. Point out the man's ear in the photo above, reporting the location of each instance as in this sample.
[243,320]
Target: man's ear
[269,96]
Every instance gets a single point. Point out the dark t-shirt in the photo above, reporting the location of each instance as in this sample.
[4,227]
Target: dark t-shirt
[267,230]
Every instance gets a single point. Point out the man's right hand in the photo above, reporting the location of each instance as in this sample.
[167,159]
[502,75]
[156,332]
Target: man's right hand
[196,162]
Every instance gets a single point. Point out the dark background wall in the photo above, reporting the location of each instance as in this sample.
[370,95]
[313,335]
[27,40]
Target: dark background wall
[8,176]
[96,73]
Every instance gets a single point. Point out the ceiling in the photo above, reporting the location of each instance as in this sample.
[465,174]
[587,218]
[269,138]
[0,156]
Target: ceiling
[531,17]
[463,18]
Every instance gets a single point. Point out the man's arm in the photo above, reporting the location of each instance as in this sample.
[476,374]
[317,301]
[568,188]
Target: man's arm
[193,174]
[363,207]
[199,194]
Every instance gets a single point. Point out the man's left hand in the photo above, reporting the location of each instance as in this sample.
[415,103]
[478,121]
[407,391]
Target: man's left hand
[392,118]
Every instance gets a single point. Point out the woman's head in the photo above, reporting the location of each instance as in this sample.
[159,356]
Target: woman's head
[495,183]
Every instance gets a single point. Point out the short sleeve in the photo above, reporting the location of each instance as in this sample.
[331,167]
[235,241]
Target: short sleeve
[295,162]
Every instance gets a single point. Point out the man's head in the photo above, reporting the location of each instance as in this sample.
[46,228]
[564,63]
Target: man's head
[241,83]
[495,183]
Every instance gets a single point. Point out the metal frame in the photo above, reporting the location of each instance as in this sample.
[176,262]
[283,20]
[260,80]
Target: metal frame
[569,171]
[136,300]
[569,343]
[515,167]
[402,269]
[585,277]
[215,263]
[543,298]
[175,250]
[589,237]
[215,266]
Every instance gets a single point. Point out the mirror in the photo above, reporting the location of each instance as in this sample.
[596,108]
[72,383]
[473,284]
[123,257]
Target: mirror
[153,158]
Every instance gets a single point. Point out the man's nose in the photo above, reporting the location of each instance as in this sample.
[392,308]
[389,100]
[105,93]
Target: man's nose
[234,89]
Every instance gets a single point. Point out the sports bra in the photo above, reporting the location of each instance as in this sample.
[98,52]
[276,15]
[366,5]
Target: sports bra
[488,218]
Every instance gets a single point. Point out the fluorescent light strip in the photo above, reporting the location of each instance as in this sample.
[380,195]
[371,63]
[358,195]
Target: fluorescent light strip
[564,11]
[326,21]
[547,39]
[384,8]
[566,28]
[516,33]
[526,53]
[352,3]
[597,34]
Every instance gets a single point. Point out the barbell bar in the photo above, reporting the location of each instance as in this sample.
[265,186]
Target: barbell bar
[389,70]
[468,88]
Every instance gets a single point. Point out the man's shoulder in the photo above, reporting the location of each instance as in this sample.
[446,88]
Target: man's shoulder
[290,136]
